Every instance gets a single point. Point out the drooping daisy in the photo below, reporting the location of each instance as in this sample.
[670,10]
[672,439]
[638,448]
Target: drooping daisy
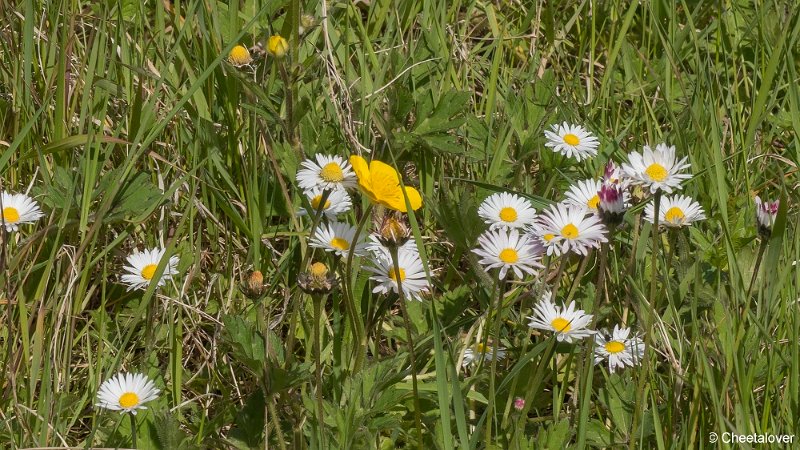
[337,202]
[239,56]
[126,392]
[585,193]
[478,352]
[563,228]
[675,211]
[572,141]
[328,172]
[508,249]
[409,271]
[19,209]
[567,323]
[506,210]
[620,348]
[656,169]
[142,267]
[378,249]
[766,212]
[337,237]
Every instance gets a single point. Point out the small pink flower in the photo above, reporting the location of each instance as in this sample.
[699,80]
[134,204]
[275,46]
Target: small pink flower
[519,403]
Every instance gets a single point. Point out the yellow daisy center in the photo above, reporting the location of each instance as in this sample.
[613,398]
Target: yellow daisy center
[571,139]
[239,55]
[508,214]
[509,256]
[674,215]
[593,202]
[480,348]
[319,270]
[394,272]
[656,172]
[331,173]
[339,243]
[569,231]
[614,347]
[317,200]
[561,325]
[10,214]
[548,237]
[128,400]
[148,271]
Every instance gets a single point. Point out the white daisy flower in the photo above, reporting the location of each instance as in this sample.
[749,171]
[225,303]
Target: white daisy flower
[656,169]
[409,270]
[568,323]
[506,210]
[126,392]
[19,209]
[766,212]
[620,349]
[508,249]
[328,172]
[563,228]
[338,202]
[585,193]
[337,237]
[142,266]
[572,141]
[675,211]
[475,353]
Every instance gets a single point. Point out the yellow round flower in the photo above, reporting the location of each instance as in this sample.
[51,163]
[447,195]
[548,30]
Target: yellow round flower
[381,184]
[277,46]
[239,56]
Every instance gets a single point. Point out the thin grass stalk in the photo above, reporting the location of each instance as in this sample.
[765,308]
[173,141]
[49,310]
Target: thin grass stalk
[412,356]
[360,339]
[318,299]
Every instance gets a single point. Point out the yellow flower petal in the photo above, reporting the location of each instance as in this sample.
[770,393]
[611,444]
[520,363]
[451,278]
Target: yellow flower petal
[381,183]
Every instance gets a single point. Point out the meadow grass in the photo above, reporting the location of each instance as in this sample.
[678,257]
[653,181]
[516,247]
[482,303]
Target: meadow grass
[128,125]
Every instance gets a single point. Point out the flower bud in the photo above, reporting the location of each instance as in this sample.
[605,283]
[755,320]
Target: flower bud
[318,279]
[277,46]
[239,56]
[519,403]
[254,287]
[393,231]
[766,212]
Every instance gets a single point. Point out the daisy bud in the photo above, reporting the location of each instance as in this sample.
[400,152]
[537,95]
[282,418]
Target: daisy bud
[277,46]
[239,56]
[519,403]
[318,280]
[612,203]
[766,212]
[393,231]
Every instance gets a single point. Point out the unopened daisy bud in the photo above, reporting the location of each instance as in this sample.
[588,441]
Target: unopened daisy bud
[519,403]
[239,56]
[766,212]
[318,280]
[612,205]
[394,232]
[254,287]
[277,46]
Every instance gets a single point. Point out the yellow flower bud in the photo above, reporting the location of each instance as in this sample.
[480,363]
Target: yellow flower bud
[277,46]
[239,56]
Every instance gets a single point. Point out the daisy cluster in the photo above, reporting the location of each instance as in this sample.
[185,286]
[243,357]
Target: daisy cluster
[518,237]
[326,181]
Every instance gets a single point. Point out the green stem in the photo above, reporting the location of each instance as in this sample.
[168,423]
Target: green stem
[412,356]
[495,344]
[757,267]
[360,339]
[133,430]
[318,366]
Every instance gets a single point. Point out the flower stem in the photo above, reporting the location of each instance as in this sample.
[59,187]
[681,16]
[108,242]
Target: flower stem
[318,366]
[496,336]
[133,430]
[360,339]
[412,357]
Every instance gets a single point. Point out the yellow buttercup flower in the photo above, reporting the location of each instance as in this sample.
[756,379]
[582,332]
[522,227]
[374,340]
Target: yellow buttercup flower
[277,46]
[381,183]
